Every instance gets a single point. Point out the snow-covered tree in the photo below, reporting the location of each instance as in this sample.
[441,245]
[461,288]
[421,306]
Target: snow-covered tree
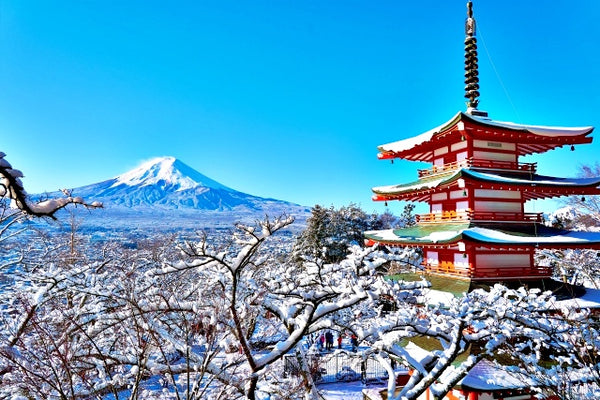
[574,266]
[11,189]
[565,363]
[208,319]
[478,325]
[214,319]
[133,323]
[330,232]
[290,301]
[587,207]
[581,213]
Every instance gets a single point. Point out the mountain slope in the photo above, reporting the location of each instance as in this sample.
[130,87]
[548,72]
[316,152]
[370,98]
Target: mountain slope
[167,187]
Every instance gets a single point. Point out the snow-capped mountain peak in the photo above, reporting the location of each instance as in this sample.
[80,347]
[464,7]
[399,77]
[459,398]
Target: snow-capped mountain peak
[166,172]
[180,196]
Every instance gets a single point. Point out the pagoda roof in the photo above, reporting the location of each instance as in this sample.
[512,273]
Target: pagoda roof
[534,186]
[528,138]
[451,233]
[487,376]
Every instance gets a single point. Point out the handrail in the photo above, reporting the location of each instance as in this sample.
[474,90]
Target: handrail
[488,272]
[478,163]
[469,215]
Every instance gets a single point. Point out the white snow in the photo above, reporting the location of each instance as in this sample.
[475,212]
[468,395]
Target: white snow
[591,299]
[537,179]
[409,143]
[493,236]
[488,236]
[342,391]
[486,376]
[540,130]
[169,171]
[488,177]
[414,186]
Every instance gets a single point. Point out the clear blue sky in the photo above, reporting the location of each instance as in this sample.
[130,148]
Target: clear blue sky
[283,99]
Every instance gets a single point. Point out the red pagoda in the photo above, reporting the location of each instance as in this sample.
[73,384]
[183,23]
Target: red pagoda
[476,188]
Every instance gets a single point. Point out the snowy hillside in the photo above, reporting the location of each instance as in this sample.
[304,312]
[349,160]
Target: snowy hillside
[167,188]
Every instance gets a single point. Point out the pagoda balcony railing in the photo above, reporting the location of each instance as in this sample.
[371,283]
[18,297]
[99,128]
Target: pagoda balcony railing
[469,215]
[492,165]
[482,272]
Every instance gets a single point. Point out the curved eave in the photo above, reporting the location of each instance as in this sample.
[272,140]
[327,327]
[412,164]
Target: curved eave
[536,130]
[447,235]
[532,187]
[419,148]
[546,238]
[530,139]
[415,191]
[419,235]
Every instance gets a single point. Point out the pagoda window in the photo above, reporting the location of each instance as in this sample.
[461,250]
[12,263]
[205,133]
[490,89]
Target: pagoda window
[436,208]
[462,156]
[439,162]
[498,206]
[439,196]
[462,205]
[503,260]
[459,194]
[498,194]
[486,144]
[461,261]
[441,151]
[433,258]
[459,146]
[495,156]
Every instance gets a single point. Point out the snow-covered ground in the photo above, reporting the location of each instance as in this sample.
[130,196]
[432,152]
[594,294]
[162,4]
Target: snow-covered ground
[342,391]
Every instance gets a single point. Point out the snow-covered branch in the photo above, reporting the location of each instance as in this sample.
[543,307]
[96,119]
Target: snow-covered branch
[12,189]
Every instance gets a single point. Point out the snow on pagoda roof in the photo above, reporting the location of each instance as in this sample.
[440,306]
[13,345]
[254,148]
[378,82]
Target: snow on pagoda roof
[431,234]
[417,185]
[407,144]
[590,299]
[547,131]
[559,237]
[425,234]
[486,376]
[507,178]
[534,129]
[420,234]
[529,179]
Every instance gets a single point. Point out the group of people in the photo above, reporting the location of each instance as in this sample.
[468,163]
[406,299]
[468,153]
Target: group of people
[325,341]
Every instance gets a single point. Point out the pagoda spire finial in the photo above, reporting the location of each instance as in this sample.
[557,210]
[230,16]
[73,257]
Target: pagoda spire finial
[471,67]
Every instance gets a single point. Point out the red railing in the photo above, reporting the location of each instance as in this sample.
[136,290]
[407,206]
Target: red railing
[506,216]
[489,272]
[442,169]
[445,267]
[512,272]
[469,215]
[477,163]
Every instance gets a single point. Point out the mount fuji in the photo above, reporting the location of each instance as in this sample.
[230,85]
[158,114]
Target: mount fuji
[165,191]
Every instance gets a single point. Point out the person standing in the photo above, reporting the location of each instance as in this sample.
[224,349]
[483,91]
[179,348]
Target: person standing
[321,341]
[329,340]
[354,341]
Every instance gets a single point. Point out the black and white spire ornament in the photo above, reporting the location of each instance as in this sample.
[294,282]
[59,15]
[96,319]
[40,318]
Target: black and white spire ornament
[471,67]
